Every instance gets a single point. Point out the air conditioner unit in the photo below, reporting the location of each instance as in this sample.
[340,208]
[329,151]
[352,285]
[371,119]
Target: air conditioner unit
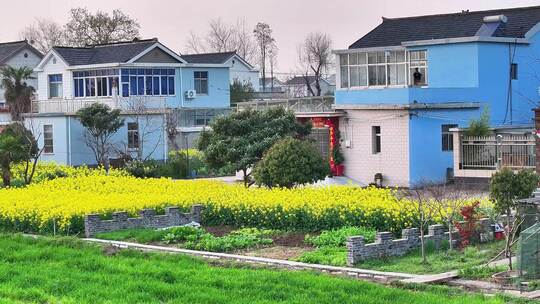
[190,94]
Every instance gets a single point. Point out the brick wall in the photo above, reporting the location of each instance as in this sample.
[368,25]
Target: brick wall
[361,163]
[148,219]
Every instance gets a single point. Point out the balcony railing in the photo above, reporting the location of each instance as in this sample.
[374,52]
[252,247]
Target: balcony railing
[297,105]
[134,103]
[516,151]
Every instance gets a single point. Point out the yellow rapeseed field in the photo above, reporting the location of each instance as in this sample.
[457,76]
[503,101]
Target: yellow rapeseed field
[63,202]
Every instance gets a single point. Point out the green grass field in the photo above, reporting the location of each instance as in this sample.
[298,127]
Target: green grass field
[65,270]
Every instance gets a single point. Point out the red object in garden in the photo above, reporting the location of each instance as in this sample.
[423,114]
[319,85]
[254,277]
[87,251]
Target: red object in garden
[467,230]
[499,235]
[339,170]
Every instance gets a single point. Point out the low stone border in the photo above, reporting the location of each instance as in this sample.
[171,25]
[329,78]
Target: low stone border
[148,219]
[363,274]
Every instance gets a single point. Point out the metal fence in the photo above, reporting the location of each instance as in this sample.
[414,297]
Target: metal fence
[297,105]
[503,150]
[72,105]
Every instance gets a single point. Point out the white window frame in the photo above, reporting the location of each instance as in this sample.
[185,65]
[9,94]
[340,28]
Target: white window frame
[95,77]
[407,62]
[48,135]
[199,79]
[58,83]
[135,134]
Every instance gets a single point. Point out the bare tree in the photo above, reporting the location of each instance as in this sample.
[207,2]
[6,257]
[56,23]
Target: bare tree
[272,59]
[43,34]
[220,37]
[148,126]
[425,209]
[448,200]
[195,44]
[87,28]
[244,43]
[315,57]
[263,35]
[223,37]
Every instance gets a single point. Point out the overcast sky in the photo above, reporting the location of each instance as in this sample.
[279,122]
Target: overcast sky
[291,20]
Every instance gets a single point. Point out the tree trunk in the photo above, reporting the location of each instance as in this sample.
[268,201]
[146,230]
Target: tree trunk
[244,171]
[450,235]
[422,245]
[508,249]
[6,175]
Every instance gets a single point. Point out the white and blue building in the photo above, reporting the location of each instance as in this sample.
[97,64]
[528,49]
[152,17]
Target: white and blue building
[407,82]
[164,98]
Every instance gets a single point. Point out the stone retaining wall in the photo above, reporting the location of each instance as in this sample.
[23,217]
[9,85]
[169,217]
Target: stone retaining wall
[148,219]
[385,245]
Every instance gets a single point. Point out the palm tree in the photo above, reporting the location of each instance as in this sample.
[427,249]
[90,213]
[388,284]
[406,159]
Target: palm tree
[17,92]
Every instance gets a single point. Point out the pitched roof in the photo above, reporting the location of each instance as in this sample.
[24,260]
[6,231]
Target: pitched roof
[9,49]
[394,31]
[104,53]
[210,58]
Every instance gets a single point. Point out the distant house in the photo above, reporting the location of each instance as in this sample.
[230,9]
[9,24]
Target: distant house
[17,54]
[239,68]
[164,99]
[297,86]
[271,85]
[408,82]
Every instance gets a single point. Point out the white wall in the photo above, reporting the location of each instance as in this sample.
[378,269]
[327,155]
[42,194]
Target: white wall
[393,160]
[50,68]
[238,70]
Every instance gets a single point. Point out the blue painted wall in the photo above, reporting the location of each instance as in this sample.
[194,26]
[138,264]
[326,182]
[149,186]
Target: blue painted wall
[469,72]
[428,162]
[465,72]
[155,146]
[218,88]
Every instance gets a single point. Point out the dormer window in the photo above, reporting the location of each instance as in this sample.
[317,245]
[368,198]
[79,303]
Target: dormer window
[383,68]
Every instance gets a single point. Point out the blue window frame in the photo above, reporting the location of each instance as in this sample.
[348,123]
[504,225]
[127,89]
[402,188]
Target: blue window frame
[157,82]
[93,83]
[171,85]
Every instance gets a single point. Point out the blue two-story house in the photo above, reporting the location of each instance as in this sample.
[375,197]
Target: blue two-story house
[407,82]
[164,99]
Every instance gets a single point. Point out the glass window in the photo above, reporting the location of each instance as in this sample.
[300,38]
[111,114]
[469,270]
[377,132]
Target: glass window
[164,85]
[133,135]
[55,86]
[96,83]
[201,82]
[355,76]
[388,68]
[171,85]
[376,139]
[90,86]
[140,85]
[344,77]
[447,137]
[418,68]
[156,85]
[133,85]
[149,86]
[48,143]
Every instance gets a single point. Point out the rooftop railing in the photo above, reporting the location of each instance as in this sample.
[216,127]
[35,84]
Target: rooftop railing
[315,104]
[69,106]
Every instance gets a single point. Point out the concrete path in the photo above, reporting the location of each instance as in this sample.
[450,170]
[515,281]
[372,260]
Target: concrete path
[366,274]
[431,279]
